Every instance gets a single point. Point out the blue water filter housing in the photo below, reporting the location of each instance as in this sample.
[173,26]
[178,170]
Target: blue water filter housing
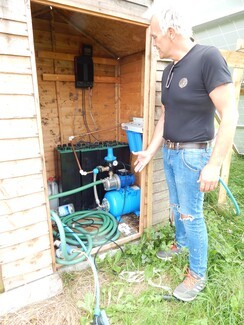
[134,141]
[134,132]
[124,201]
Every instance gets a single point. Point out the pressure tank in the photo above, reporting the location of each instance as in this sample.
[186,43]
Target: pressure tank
[124,201]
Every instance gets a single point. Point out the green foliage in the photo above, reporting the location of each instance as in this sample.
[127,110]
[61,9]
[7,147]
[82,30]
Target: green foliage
[152,240]
[87,306]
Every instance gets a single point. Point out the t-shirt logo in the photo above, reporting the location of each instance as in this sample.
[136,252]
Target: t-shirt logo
[183,82]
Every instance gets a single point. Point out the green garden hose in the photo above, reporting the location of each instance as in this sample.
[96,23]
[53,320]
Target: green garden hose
[231,196]
[91,227]
[75,190]
[98,224]
[74,257]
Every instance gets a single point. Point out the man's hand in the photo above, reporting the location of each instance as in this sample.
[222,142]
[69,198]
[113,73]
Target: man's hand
[143,158]
[209,178]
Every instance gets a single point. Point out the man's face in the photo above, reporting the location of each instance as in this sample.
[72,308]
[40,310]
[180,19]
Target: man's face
[160,41]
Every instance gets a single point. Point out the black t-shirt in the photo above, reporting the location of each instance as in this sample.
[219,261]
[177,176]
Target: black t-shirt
[189,111]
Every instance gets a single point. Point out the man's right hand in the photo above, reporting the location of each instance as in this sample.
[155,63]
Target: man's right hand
[143,158]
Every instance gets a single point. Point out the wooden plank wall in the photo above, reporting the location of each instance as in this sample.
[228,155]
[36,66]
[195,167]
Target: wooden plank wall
[131,88]
[160,209]
[62,105]
[24,224]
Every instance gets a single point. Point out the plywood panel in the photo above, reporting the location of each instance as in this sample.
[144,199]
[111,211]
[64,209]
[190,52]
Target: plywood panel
[131,88]
[42,39]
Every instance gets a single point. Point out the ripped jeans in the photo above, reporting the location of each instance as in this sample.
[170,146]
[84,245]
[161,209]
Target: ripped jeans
[182,170]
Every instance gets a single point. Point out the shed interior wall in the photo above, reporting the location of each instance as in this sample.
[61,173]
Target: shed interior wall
[116,97]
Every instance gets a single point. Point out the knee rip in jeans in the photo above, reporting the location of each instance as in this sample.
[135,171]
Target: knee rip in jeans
[184,217]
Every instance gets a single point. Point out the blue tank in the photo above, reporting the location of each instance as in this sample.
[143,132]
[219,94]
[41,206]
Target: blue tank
[124,201]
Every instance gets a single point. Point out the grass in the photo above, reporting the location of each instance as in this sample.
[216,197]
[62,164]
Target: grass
[143,303]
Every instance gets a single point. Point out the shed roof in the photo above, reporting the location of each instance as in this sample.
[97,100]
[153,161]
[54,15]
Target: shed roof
[115,38]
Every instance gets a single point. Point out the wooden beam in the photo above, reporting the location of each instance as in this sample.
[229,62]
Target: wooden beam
[149,113]
[234,59]
[116,10]
[70,57]
[71,23]
[70,77]
[225,170]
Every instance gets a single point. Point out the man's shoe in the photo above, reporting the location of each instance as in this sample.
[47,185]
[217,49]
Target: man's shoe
[166,256]
[190,287]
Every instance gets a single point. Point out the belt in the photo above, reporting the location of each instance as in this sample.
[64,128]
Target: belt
[187,145]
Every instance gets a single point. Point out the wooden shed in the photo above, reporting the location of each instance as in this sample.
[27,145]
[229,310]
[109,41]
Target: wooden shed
[41,108]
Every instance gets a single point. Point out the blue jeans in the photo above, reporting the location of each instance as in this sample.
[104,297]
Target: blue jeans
[182,170]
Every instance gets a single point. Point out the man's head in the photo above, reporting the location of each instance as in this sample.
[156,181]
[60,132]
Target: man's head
[167,27]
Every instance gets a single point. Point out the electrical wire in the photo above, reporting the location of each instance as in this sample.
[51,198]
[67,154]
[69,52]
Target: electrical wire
[91,108]
[89,133]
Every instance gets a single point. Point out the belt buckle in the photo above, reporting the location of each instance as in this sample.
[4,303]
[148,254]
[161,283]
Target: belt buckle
[170,145]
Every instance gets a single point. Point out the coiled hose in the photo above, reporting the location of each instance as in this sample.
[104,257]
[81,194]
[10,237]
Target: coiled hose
[90,227]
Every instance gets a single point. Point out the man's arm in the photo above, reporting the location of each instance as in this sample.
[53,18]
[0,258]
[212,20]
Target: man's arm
[143,157]
[223,98]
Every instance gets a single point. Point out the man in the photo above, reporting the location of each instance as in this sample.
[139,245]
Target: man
[195,84]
